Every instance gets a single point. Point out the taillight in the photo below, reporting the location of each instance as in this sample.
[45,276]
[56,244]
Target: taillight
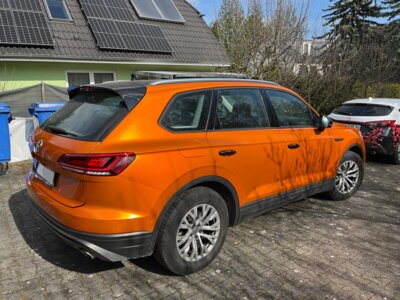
[381,124]
[96,164]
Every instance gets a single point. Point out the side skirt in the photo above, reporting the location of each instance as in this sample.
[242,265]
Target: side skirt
[262,206]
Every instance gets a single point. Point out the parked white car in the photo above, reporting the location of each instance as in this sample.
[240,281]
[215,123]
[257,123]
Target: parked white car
[379,122]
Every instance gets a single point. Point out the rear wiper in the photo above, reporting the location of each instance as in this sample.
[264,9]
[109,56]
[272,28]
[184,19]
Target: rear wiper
[54,129]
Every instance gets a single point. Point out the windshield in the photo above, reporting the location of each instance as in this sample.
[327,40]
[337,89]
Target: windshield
[89,116]
[361,110]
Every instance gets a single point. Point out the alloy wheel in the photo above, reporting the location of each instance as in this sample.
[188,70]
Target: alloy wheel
[347,177]
[198,232]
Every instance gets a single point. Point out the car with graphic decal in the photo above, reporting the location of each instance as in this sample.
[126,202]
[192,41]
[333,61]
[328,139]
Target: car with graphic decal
[379,122]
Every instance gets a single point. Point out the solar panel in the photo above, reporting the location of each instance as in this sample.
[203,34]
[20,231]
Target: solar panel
[147,9]
[96,11]
[121,14]
[22,22]
[4,4]
[158,9]
[115,9]
[169,10]
[32,28]
[114,28]
[26,5]
[8,33]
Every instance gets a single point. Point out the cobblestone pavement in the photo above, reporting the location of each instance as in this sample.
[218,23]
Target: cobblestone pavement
[312,249]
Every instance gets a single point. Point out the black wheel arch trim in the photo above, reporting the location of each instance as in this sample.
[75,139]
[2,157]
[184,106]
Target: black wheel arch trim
[359,147]
[199,182]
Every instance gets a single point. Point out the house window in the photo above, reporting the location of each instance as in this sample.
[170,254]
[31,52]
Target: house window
[57,10]
[103,77]
[306,49]
[79,78]
[158,10]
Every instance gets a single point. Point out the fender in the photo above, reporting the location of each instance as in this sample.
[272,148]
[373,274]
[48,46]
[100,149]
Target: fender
[193,183]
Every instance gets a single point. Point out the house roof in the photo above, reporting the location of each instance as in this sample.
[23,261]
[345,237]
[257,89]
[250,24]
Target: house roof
[192,43]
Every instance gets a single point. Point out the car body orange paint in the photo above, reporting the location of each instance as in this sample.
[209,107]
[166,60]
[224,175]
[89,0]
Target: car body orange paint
[166,162]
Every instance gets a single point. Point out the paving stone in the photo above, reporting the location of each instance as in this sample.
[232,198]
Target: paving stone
[311,249]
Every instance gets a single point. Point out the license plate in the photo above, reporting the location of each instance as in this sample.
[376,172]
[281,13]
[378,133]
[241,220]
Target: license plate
[45,175]
[356,126]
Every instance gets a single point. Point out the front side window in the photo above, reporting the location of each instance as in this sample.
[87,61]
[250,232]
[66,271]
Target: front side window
[188,112]
[57,9]
[240,108]
[291,111]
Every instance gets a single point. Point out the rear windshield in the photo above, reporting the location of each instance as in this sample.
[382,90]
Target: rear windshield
[360,110]
[88,116]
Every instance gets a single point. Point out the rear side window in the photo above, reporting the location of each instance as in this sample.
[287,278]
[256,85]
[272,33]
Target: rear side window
[290,111]
[188,112]
[360,110]
[88,116]
[240,109]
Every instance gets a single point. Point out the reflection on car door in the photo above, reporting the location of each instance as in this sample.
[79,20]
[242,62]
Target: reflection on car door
[309,149]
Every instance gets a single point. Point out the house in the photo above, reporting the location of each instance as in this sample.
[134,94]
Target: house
[67,43]
[310,54]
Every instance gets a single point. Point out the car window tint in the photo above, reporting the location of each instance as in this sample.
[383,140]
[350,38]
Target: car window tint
[240,108]
[88,115]
[188,112]
[363,110]
[290,111]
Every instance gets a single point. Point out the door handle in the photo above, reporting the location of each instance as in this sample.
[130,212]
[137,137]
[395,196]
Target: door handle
[227,152]
[293,146]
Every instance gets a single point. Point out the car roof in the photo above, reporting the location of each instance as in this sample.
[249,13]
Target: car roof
[379,101]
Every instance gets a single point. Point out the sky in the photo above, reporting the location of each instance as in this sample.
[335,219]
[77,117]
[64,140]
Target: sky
[210,9]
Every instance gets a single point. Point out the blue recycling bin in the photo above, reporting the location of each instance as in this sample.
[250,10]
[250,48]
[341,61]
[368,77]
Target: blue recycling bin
[5,147]
[43,110]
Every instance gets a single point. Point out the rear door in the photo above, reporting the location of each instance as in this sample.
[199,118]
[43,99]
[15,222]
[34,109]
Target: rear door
[240,145]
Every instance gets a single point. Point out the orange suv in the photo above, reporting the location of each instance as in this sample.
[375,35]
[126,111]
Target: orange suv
[131,169]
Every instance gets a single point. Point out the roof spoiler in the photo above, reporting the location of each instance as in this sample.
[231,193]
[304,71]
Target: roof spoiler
[130,96]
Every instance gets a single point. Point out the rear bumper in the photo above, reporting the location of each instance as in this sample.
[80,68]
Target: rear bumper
[384,146]
[109,247]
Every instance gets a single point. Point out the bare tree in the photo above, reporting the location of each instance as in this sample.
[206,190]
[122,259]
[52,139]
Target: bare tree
[264,40]
[266,43]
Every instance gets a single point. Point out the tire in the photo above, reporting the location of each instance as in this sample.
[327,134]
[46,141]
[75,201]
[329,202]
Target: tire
[173,231]
[396,155]
[351,166]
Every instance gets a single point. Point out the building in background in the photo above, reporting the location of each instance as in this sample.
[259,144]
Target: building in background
[68,43]
[309,59]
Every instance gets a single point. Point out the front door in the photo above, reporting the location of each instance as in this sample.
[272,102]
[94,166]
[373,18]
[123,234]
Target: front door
[300,136]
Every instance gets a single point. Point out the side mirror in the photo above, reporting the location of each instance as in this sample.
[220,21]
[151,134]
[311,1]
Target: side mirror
[325,122]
